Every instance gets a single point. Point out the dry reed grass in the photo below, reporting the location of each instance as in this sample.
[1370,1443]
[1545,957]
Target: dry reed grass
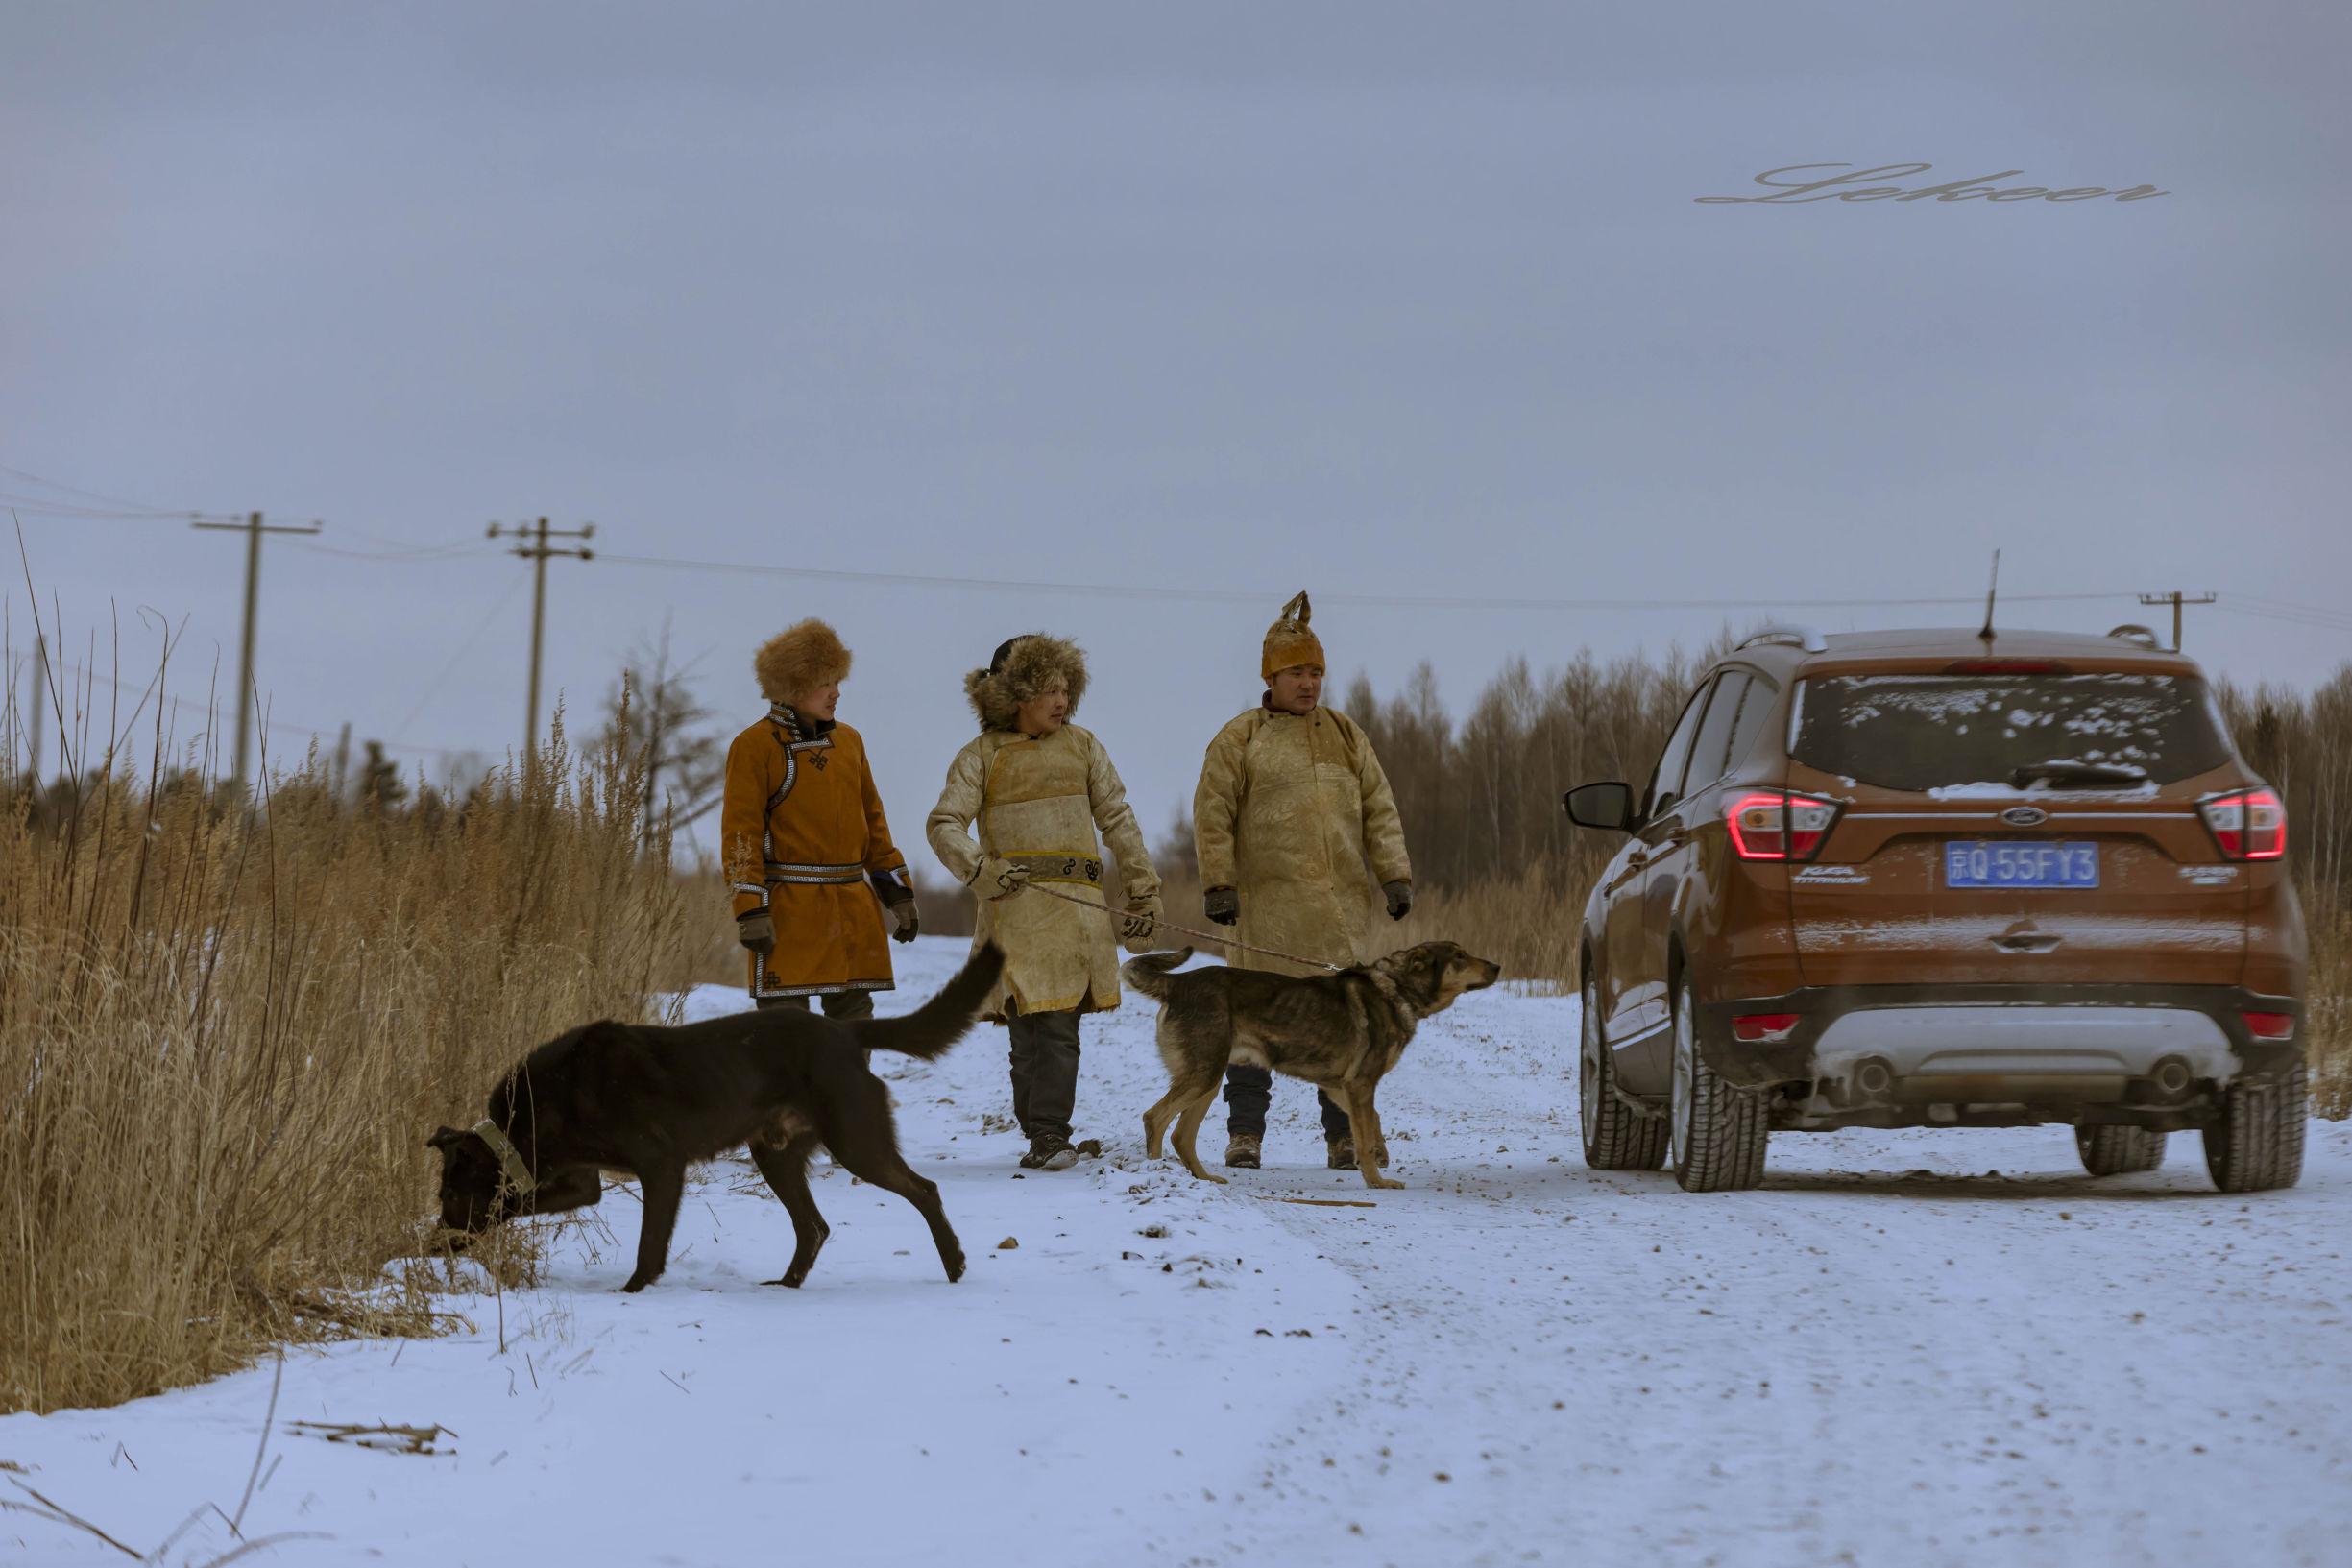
[224,1032]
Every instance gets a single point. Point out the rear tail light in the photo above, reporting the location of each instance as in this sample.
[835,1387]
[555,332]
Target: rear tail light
[1763,1027]
[2249,825]
[1775,825]
[2271,1026]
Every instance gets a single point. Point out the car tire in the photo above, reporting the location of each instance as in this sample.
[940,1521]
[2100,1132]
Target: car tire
[2118,1151]
[1716,1133]
[2258,1142]
[1616,1136]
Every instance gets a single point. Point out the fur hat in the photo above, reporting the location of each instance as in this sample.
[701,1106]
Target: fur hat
[1021,668]
[798,660]
[1288,641]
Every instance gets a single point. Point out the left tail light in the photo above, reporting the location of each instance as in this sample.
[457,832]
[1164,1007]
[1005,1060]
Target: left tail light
[2247,823]
[1778,825]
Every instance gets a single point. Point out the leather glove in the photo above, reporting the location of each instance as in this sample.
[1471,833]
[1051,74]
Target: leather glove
[908,922]
[1400,899]
[1136,924]
[998,876]
[757,932]
[1221,905]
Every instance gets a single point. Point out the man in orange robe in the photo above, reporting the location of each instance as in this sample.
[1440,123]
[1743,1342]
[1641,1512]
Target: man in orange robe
[802,836]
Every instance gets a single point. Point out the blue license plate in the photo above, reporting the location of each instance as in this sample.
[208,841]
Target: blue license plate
[1998,863]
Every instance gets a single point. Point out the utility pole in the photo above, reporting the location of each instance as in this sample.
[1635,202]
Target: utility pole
[2175,599]
[533,547]
[253,530]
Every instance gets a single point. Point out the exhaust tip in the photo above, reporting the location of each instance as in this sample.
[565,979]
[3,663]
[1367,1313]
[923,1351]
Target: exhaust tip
[2171,1076]
[1874,1077]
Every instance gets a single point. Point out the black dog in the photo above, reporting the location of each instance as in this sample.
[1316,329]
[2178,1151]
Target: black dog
[648,1102]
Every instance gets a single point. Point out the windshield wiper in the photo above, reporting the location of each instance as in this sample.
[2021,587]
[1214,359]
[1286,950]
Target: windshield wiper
[2079,773]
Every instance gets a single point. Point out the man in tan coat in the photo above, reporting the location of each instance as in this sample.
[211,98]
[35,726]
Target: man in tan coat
[1291,804]
[1039,788]
[802,836]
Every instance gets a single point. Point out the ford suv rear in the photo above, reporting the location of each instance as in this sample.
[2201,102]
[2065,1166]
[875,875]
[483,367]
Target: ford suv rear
[1932,878]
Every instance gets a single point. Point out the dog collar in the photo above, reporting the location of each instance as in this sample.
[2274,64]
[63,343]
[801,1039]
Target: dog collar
[510,1159]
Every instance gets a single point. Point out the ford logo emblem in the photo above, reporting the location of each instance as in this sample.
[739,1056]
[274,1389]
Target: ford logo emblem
[2024,816]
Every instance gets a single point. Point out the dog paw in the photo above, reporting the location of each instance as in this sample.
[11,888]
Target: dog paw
[1386,1182]
[790,1281]
[637,1283]
[1205,1177]
[955,1268]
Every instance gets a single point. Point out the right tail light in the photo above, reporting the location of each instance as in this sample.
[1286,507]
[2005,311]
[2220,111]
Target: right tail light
[2246,824]
[1778,825]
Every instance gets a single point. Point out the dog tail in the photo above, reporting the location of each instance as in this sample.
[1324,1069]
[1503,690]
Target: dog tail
[932,1028]
[1150,973]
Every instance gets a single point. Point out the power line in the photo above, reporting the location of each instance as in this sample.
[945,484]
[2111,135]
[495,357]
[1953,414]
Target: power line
[141,508]
[433,687]
[284,726]
[1399,601]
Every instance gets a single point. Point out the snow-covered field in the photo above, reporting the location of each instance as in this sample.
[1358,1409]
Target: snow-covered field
[1909,1349]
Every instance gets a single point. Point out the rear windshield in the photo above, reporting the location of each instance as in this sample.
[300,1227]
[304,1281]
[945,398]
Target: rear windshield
[2012,732]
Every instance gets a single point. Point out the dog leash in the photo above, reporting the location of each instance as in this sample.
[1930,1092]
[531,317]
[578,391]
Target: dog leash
[1158,924]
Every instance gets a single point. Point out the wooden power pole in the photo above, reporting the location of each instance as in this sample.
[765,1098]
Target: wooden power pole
[532,546]
[2175,599]
[253,530]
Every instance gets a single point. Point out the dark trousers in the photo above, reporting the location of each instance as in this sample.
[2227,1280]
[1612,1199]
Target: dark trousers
[837,1004]
[1044,1070]
[1249,1089]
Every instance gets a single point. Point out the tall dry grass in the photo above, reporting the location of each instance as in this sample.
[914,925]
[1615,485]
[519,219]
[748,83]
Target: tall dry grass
[227,1030]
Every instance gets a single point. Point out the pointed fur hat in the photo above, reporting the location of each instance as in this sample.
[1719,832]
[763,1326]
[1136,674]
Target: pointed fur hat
[1289,640]
[1020,670]
[798,660]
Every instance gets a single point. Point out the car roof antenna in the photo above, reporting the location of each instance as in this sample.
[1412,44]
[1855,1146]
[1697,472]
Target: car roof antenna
[1990,593]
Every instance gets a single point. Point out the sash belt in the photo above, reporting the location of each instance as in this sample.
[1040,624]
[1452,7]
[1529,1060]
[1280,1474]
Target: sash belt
[1086,869]
[779,871]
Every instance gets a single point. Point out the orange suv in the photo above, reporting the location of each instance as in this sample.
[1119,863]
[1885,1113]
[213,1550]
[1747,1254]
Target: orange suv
[1941,879]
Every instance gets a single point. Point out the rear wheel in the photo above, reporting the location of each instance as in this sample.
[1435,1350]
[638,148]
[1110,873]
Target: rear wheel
[1718,1132]
[2258,1143]
[2118,1151]
[1616,1137]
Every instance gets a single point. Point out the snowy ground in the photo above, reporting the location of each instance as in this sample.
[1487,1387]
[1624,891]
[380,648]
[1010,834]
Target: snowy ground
[1909,1349]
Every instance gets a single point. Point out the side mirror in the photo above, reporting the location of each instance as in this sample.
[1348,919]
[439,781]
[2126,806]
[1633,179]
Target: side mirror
[1608,806]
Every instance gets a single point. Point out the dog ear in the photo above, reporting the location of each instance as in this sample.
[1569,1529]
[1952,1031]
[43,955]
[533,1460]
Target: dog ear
[445,1138]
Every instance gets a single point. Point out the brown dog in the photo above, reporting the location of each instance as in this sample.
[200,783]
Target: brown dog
[1342,1033]
[648,1102]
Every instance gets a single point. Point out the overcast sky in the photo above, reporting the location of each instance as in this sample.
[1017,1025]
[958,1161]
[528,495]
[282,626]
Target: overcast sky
[1406,301]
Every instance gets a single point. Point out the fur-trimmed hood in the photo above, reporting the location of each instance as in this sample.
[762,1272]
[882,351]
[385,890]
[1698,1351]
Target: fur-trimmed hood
[798,660]
[1022,668]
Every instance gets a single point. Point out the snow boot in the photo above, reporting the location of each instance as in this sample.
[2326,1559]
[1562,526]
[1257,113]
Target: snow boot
[1242,1151]
[1049,1151]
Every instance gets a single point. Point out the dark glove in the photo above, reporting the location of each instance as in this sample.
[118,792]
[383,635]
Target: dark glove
[1400,899]
[1221,905]
[756,932]
[903,912]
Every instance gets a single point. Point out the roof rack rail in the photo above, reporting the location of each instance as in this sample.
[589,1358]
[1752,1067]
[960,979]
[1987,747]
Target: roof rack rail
[1803,637]
[2132,632]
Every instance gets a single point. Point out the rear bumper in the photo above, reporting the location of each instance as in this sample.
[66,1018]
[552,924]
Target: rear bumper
[2076,1044]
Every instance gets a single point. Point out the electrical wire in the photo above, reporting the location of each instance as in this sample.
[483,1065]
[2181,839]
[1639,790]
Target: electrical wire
[138,508]
[433,687]
[1400,601]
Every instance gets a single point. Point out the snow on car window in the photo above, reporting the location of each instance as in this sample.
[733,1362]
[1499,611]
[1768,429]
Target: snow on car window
[2026,732]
